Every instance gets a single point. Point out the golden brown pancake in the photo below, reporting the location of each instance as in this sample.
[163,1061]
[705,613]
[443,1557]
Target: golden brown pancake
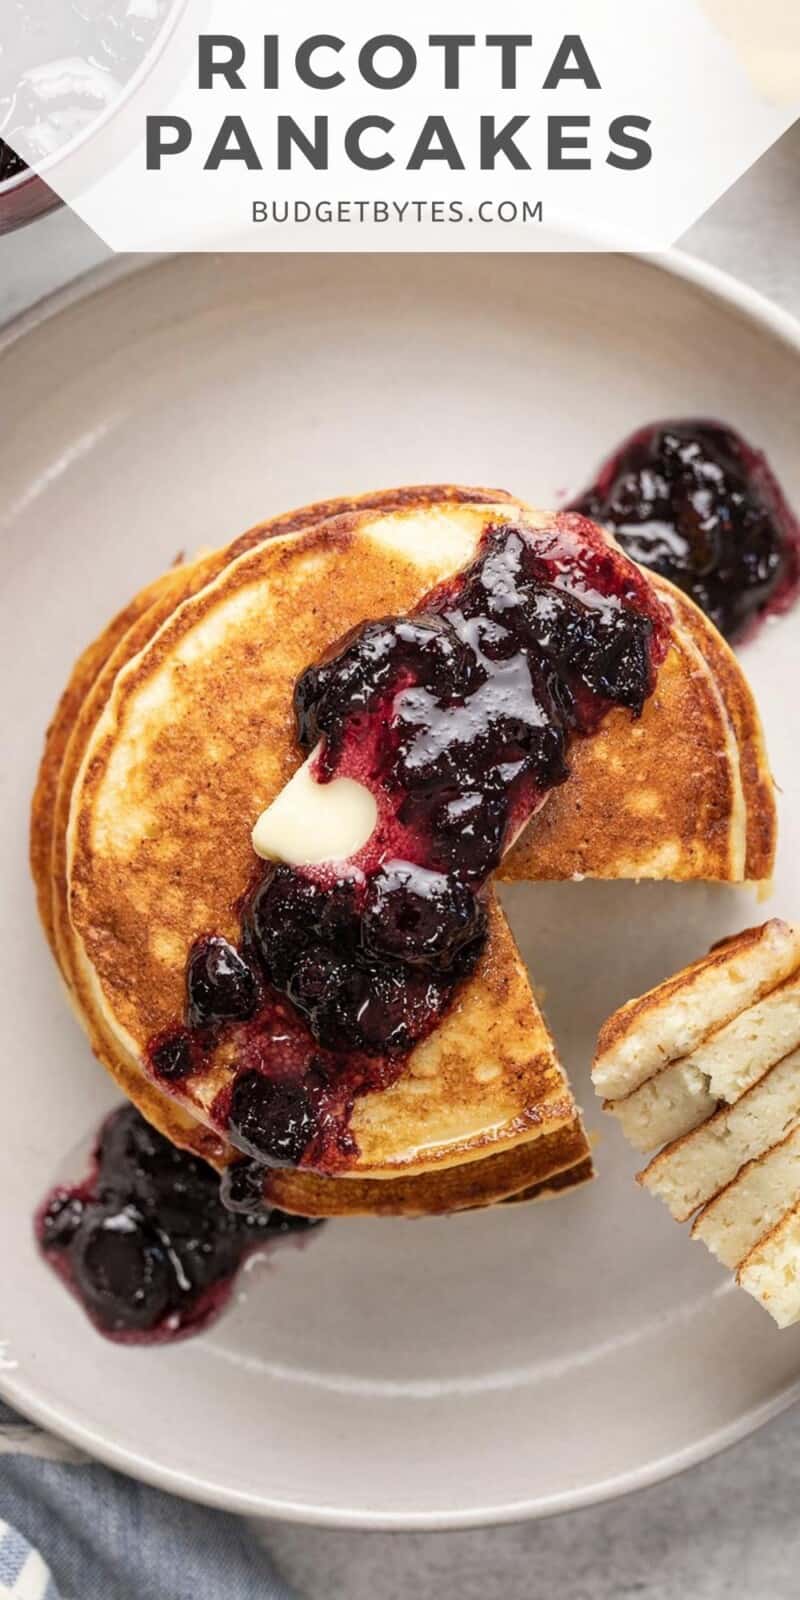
[668,1023]
[394,583]
[170,1115]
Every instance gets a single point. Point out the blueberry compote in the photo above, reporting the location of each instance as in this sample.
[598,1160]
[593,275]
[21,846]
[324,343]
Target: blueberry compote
[458,718]
[698,504]
[10,163]
[145,1242]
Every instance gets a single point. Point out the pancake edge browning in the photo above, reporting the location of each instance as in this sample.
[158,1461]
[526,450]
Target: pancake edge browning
[83,675]
[534,1163]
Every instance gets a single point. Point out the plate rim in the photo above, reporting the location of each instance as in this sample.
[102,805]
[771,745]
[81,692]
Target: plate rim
[765,314]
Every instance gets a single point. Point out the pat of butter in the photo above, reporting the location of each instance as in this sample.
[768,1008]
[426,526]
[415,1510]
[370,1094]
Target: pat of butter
[309,822]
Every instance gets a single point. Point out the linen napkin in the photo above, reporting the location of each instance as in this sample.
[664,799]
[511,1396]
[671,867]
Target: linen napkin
[73,1530]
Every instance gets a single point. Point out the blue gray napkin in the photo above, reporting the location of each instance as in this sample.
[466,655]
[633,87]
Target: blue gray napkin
[73,1530]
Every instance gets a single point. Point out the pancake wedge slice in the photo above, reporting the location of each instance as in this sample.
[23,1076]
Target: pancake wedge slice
[672,1020]
[771,1272]
[733,1223]
[731,1104]
[720,1070]
[669,1104]
[689,1172]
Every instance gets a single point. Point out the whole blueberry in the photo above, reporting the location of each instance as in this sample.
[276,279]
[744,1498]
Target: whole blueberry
[280,919]
[122,1270]
[272,1120]
[220,985]
[421,917]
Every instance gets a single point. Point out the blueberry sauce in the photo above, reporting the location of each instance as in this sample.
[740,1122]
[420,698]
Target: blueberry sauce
[459,719]
[10,163]
[695,502]
[145,1242]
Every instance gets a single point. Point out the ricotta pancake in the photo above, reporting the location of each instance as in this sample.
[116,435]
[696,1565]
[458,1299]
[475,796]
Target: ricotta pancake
[177,731]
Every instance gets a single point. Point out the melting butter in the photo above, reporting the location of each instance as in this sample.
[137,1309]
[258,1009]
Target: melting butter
[309,822]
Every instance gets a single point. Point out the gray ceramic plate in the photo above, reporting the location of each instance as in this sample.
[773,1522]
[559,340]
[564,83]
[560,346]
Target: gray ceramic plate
[391,1374]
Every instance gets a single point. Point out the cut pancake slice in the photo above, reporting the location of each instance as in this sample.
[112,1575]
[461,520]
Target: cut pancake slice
[732,1224]
[669,1022]
[730,1107]
[691,1170]
[771,1272]
[558,1159]
[721,1069]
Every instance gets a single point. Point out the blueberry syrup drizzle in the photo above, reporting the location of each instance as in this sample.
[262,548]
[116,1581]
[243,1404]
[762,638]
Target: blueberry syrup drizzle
[695,502]
[459,719]
[145,1242]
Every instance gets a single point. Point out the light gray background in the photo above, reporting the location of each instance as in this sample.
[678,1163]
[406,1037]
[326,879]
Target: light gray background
[729,1528]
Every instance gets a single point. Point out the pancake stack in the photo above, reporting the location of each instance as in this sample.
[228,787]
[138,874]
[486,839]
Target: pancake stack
[176,731]
[708,1065]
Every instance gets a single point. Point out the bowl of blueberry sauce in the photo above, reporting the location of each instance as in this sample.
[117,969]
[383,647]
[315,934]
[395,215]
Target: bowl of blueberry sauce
[62,68]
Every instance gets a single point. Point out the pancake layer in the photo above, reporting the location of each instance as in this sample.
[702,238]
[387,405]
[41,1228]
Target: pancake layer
[720,1044]
[156,759]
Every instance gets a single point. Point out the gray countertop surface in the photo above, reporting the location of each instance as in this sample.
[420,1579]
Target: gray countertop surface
[727,1528]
